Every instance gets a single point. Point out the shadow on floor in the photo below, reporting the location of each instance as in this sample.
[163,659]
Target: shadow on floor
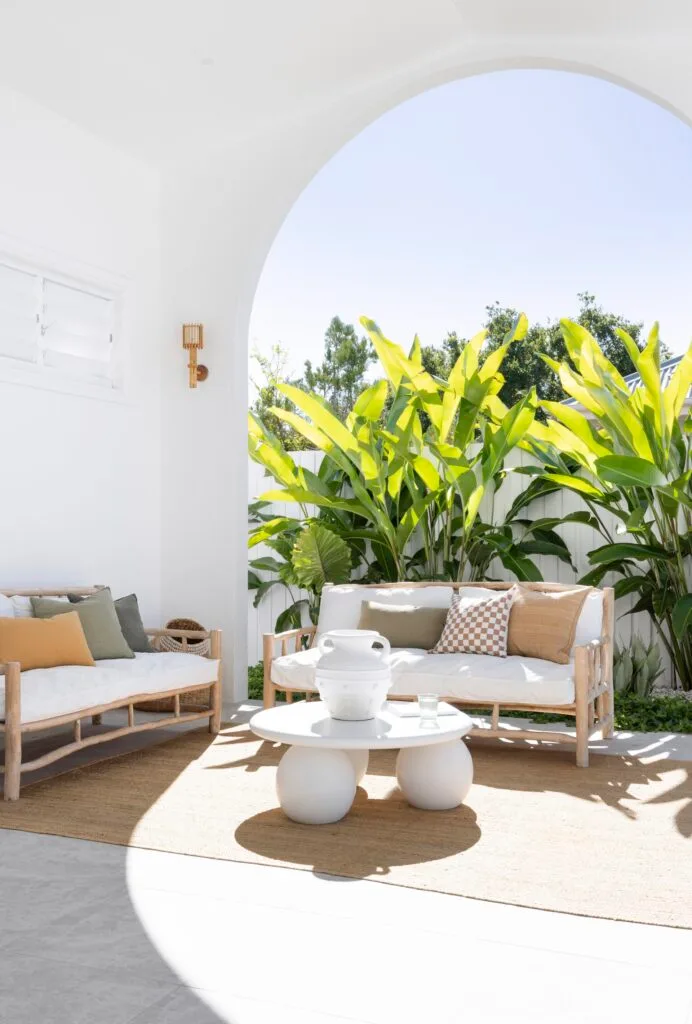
[73,949]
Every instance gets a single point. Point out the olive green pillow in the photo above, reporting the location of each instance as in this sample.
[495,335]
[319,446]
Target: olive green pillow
[99,622]
[405,625]
[130,619]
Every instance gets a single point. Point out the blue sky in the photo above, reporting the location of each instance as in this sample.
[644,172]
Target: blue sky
[521,186]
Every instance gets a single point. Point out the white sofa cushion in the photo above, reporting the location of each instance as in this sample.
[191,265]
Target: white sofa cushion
[49,692]
[6,607]
[23,609]
[513,680]
[341,605]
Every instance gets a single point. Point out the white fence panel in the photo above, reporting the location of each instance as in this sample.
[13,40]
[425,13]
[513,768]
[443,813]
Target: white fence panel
[579,539]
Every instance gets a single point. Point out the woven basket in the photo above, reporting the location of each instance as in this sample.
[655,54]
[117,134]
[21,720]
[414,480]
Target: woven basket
[190,700]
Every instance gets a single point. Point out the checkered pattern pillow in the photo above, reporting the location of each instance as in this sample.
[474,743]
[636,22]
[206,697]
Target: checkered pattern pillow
[477,627]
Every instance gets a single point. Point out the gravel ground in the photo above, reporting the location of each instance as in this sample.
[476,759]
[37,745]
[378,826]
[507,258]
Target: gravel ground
[667,691]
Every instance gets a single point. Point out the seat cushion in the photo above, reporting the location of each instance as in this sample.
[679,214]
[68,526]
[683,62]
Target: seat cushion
[49,692]
[512,680]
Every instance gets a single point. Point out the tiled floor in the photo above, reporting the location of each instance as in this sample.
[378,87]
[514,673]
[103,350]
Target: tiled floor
[95,934]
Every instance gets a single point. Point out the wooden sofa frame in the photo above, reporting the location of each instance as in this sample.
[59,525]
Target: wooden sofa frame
[593,707]
[14,729]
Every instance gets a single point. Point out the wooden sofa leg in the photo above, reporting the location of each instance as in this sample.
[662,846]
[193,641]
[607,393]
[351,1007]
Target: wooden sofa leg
[13,731]
[581,699]
[268,689]
[607,663]
[216,691]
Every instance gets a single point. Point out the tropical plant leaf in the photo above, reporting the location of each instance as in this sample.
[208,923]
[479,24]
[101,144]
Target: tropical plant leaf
[612,553]
[320,556]
[629,471]
[291,617]
[682,617]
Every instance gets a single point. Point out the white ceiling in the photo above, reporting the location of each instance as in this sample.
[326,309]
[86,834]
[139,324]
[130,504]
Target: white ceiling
[158,77]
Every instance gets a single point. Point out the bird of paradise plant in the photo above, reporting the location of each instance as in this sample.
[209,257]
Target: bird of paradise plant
[408,501]
[629,456]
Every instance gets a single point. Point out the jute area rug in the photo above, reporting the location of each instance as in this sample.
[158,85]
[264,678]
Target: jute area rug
[613,840]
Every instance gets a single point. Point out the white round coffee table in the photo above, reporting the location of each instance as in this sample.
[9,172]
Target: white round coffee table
[317,776]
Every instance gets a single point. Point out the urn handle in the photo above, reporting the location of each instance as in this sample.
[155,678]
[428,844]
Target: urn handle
[325,642]
[384,649]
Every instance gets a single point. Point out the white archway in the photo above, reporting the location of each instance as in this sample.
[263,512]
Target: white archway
[231,210]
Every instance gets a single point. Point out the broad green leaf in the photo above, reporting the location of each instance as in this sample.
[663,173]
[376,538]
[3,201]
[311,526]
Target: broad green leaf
[629,471]
[266,564]
[320,556]
[575,483]
[308,430]
[641,552]
[427,472]
[575,421]
[523,568]
[371,402]
[682,617]
[676,393]
[630,344]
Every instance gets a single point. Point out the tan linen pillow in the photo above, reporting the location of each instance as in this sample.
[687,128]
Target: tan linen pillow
[477,627]
[543,625]
[44,643]
[404,625]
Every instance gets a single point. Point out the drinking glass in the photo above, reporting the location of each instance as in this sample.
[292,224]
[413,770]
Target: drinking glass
[427,705]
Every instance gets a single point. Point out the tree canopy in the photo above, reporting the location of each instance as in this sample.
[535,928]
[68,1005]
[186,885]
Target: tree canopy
[341,375]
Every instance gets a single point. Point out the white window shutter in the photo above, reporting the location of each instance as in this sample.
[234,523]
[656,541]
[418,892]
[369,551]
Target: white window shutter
[77,332]
[19,313]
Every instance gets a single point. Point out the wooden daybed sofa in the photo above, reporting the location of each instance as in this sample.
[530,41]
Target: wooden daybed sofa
[45,698]
[583,689]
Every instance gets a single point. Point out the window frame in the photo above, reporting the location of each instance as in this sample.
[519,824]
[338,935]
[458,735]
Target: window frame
[62,270]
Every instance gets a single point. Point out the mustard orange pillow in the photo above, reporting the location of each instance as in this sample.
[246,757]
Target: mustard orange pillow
[544,625]
[44,643]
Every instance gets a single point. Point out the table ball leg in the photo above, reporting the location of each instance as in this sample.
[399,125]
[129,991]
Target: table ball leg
[315,785]
[359,760]
[437,777]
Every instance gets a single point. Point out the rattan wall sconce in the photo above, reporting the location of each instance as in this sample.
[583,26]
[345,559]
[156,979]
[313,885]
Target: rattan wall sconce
[193,341]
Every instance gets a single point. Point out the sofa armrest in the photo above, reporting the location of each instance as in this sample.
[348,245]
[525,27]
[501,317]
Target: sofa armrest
[180,634]
[213,635]
[270,640]
[593,663]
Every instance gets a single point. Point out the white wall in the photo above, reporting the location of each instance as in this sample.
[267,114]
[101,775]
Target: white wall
[81,495]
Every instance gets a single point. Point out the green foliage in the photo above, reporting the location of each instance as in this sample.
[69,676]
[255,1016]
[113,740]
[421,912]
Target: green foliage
[404,476]
[652,714]
[635,670]
[268,371]
[320,556]
[525,368]
[255,681]
[339,378]
[629,457]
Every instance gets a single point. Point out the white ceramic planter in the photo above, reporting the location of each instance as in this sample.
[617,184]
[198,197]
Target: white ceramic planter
[352,675]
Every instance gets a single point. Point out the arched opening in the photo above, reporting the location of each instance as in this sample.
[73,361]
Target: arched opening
[561,188]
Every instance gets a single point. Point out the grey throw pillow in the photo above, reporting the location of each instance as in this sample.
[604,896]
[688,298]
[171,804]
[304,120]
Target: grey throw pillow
[130,619]
[99,622]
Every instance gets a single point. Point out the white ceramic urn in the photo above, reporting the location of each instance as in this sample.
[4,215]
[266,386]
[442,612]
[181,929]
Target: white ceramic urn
[352,673]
